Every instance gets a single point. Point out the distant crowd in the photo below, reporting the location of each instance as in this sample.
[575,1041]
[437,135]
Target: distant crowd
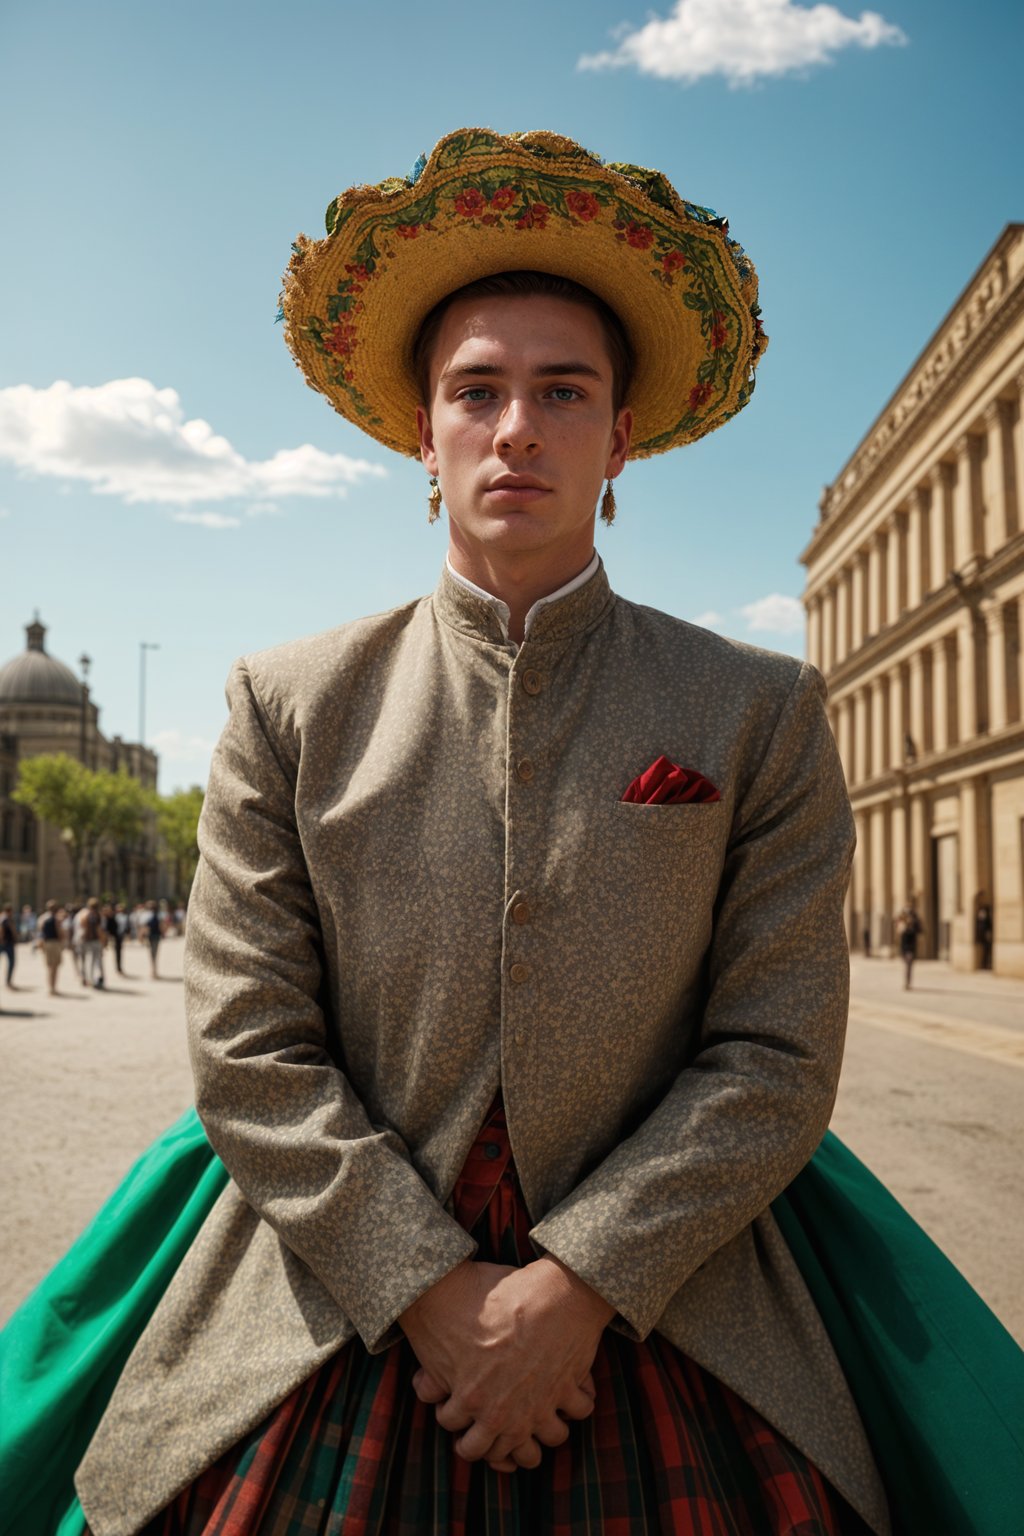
[88,933]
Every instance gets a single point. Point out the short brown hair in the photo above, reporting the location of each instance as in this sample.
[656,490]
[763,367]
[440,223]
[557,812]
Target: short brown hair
[524,285]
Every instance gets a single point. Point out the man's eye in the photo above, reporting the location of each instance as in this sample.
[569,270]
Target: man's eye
[476,392]
[565,392]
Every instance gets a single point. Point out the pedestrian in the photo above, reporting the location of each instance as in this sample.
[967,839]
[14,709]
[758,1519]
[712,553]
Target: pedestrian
[8,942]
[119,933]
[152,931]
[909,926]
[516,969]
[983,932]
[108,925]
[27,924]
[91,931]
[51,943]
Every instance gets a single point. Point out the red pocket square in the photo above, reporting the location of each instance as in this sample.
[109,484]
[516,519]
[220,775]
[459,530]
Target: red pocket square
[663,783]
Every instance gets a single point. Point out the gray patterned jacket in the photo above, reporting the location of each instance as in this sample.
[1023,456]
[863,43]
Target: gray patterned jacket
[418,881]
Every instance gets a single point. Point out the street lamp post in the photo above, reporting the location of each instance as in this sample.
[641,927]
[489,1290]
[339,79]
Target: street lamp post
[85,662]
[144,646]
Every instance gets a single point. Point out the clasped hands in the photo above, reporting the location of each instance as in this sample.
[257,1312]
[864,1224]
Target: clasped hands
[505,1355]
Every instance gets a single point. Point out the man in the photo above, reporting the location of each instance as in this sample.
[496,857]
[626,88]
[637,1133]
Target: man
[517,851]
[8,942]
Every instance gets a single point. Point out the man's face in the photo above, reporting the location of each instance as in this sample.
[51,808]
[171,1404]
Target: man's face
[521,432]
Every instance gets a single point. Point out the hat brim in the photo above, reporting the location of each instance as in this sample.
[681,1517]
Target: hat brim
[686,293]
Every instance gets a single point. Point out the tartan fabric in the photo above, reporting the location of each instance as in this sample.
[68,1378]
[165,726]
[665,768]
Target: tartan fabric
[668,1451]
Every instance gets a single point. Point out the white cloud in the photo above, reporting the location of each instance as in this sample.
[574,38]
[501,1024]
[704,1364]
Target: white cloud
[264,509]
[174,746]
[129,439]
[207,519]
[5,511]
[709,620]
[778,614]
[744,40]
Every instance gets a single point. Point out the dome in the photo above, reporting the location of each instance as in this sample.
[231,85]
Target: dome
[37,678]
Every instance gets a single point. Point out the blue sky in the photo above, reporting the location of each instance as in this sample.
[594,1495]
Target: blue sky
[161,159]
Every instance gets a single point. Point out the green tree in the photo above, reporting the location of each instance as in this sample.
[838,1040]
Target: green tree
[124,805]
[177,818]
[69,796]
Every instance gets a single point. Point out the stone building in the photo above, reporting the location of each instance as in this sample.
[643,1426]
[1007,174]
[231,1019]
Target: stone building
[45,708]
[915,607]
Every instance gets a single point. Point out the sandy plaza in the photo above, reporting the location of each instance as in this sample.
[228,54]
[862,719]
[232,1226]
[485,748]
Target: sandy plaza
[929,1099]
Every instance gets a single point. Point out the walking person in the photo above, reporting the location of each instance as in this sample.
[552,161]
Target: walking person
[151,932]
[51,941]
[118,933]
[983,931]
[910,927]
[108,925]
[8,943]
[92,937]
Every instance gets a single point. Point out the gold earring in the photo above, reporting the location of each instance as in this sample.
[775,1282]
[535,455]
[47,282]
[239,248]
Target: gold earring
[608,505]
[434,500]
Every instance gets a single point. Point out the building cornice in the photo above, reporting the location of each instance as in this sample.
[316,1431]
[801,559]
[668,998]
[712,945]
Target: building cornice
[990,753]
[991,302]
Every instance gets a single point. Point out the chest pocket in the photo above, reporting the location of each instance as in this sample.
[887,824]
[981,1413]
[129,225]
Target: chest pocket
[667,862]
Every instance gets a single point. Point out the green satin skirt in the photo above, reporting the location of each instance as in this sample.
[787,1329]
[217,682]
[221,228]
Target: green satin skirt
[938,1380]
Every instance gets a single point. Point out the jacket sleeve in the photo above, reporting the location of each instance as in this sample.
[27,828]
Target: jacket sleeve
[742,1119]
[341,1192]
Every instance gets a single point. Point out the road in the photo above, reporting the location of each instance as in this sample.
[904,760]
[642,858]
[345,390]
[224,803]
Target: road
[930,1099]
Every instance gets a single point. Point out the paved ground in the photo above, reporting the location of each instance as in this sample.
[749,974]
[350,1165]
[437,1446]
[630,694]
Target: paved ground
[930,1099]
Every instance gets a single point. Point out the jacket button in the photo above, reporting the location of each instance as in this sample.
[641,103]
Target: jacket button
[525,770]
[532,681]
[521,913]
[519,971]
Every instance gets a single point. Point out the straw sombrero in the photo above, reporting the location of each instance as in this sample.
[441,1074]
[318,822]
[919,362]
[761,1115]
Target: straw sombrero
[483,203]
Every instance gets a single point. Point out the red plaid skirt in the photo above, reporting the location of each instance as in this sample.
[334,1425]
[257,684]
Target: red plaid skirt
[668,1449]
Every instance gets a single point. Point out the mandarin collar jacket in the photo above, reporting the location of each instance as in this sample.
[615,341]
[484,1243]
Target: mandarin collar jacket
[419,882]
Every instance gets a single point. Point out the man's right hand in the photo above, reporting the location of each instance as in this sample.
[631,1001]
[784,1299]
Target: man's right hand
[506,1355]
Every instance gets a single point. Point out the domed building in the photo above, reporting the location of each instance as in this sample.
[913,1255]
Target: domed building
[45,708]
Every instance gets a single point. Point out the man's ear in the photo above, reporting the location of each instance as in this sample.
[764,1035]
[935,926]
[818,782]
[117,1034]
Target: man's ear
[426,436]
[622,434]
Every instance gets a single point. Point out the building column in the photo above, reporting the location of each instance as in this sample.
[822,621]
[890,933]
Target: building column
[845,737]
[858,601]
[941,733]
[862,877]
[1000,474]
[875,584]
[879,743]
[861,758]
[896,597]
[1015,658]
[898,846]
[915,668]
[965,953]
[828,631]
[814,630]
[897,718]
[943,549]
[995,623]
[842,615]
[968,531]
[918,572]
[967,676]
[881,915]
[920,877]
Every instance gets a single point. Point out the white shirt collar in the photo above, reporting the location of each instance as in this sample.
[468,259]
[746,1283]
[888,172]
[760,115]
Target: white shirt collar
[501,609]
